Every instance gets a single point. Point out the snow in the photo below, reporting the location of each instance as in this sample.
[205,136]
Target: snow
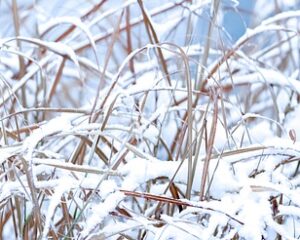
[54,202]
[147,169]
[100,211]
[281,16]
[73,21]
[53,126]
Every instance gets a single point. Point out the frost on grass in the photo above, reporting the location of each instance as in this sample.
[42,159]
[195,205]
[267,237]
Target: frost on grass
[135,146]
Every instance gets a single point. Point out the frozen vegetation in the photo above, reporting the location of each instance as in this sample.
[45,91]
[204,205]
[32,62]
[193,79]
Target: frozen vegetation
[147,120]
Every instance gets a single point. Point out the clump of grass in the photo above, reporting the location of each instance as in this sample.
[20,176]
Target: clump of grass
[116,125]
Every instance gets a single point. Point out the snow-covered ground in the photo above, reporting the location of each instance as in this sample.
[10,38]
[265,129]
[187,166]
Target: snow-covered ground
[147,120]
